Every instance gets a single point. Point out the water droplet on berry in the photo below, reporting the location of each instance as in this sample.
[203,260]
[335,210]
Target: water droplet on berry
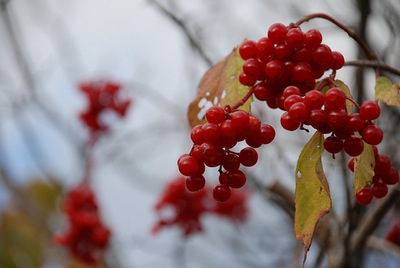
[298,174]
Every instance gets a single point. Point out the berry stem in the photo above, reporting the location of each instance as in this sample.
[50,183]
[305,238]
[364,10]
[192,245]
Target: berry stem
[242,100]
[368,52]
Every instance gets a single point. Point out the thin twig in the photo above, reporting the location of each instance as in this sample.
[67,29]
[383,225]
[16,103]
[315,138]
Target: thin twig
[372,220]
[182,25]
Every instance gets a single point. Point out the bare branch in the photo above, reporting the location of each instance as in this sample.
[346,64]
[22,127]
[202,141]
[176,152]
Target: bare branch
[182,25]
[372,219]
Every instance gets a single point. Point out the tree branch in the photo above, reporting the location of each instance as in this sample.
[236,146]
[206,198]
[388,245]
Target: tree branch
[372,219]
[181,24]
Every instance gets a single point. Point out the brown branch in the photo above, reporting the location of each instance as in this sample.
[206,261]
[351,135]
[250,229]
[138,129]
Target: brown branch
[368,52]
[374,64]
[372,219]
[182,25]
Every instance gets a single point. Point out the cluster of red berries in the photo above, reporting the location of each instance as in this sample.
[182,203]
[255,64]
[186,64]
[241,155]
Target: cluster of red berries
[213,143]
[189,207]
[282,69]
[327,113]
[385,174]
[102,96]
[286,56]
[87,237]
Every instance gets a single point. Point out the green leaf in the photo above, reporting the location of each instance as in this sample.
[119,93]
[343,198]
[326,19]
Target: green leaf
[346,89]
[387,92]
[312,200]
[364,168]
[219,86]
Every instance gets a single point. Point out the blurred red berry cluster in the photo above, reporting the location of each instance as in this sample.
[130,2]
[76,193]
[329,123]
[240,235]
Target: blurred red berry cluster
[87,236]
[187,208]
[393,235]
[102,96]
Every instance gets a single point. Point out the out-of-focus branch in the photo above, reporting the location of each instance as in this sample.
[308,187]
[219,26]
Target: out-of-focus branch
[374,64]
[383,245]
[29,79]
[372,220]
[182,25]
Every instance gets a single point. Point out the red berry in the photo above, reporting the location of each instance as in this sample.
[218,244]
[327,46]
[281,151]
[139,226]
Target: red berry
[239,119]
[318,119]
[302,71]
[288,123]
[379,189]
[235,178]
[370,110]
[392,177]
[335,98]
[210,132]
[299,112]
[312,38]
[265,48]
[221,192]
[231,162]
[262,92]
[333,144]
[291,90]
[355,122]
[246,79]
[265,135]
[337,119]
[295,37]
[322,55]
[372,134]
[277,33]
[274,69]
[290,100]
[248,157]
[314,99]
[253,68]
[364,196]
[283,52]
[353,146]
[247,49]
[188,165]
[215,114]
[197,134]
[195,183]
[337,61]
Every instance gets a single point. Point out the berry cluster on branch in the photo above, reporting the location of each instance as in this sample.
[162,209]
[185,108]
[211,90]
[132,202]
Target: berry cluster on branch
[288,70]
[384,174]
[87,236]
[189,207]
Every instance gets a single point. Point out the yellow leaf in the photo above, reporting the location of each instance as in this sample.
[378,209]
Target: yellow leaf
[312,200]
[387,92]
[364,168]
[219,86]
